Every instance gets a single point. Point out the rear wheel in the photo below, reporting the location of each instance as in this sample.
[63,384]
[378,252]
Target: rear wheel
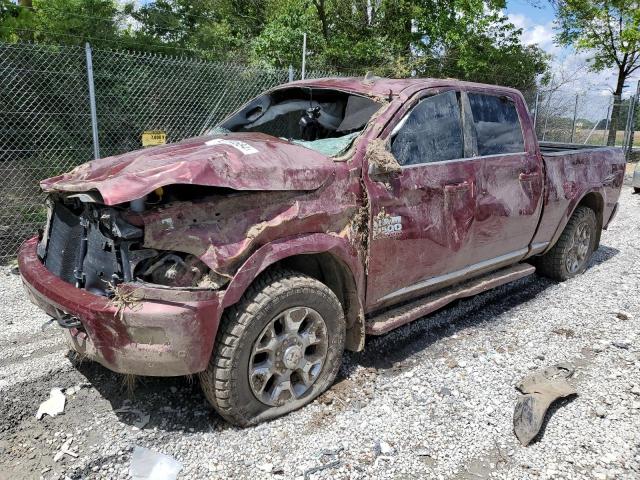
[636,189]
[573,250]
[276,350]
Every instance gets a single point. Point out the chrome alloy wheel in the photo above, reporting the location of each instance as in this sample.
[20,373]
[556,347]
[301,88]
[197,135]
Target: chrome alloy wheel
[577,254]
[288,356]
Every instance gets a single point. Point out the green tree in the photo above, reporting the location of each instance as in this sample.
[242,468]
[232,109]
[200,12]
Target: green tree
[610,30]
[61,21]
[467,39]
[211,29]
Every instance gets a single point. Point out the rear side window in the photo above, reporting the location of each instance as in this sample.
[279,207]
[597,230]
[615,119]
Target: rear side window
[497,124]
[431,132]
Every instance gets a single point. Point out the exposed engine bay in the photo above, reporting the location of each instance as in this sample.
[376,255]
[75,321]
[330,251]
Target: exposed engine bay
[95,247]
[320,119]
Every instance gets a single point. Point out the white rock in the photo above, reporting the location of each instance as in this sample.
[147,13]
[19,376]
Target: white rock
[385,448]
[53,406]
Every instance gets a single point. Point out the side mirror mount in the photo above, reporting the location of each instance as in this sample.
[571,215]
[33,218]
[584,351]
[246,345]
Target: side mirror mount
[381,161]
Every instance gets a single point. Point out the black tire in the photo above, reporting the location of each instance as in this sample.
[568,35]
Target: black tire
[553,264]
[226,381]
[636,189]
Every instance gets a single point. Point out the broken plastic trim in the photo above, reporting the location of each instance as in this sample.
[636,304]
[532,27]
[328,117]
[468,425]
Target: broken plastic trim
[540,390]
[69,321]
[173,269]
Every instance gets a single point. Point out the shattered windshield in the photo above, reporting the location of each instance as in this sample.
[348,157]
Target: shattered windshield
[323,120]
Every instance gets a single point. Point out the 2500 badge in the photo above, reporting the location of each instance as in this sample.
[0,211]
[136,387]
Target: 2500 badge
[384,225]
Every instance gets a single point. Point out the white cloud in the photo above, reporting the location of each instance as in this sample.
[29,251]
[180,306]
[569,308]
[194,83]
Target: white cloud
[540,34]
[566,63]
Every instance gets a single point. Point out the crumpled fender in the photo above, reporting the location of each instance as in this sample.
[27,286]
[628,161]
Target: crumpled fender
[339,247]
[272,252]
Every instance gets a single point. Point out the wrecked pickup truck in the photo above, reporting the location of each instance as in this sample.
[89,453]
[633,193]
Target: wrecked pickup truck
[320,212]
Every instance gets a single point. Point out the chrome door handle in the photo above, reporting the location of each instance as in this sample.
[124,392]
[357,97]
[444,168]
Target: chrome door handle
[527,177]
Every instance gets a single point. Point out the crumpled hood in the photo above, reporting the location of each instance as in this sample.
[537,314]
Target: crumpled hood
[241,161]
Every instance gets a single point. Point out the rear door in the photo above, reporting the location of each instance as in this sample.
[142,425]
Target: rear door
[509,177]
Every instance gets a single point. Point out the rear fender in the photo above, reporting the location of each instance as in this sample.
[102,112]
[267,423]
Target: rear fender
[593,199]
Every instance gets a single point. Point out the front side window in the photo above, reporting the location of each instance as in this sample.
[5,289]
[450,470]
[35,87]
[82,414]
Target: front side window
[431,132]
[497,124]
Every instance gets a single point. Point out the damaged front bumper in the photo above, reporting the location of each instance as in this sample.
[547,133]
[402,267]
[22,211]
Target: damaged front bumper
[163,331]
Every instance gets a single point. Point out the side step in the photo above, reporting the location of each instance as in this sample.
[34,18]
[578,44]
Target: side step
[415,309]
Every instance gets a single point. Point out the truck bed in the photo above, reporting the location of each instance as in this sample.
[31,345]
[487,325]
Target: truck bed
[558,148]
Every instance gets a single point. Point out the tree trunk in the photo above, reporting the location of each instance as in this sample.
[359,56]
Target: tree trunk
[26,35]
[322,16]
[616,108]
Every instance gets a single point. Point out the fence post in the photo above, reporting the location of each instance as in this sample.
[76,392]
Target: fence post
[535,110]
[546,115]
[575,113]
[606,125]
[627,126]
[92,102]
[290,73]
[304,54]
[628,129]
[633,120]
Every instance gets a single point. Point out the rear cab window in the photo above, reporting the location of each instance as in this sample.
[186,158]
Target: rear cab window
[496,123]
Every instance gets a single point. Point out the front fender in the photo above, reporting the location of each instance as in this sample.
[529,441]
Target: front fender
[277,250]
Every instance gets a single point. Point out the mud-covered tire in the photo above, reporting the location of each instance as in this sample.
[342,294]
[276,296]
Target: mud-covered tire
[226,382]
[555,263]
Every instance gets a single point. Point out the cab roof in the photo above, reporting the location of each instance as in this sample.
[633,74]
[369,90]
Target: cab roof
[378,86]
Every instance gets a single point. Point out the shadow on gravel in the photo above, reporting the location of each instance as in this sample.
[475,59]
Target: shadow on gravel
[601,255]
[553,408]
[168,403]
[389,351]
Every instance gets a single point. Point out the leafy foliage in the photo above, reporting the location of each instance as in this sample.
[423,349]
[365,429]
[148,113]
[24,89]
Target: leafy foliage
[467,39]
[610,31]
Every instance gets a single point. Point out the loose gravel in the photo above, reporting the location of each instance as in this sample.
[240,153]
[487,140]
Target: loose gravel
[434,399]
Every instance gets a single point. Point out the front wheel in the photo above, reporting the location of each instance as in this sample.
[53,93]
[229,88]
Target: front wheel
[276,350]
[573,250]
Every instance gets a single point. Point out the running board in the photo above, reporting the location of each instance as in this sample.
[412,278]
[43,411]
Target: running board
[415,309]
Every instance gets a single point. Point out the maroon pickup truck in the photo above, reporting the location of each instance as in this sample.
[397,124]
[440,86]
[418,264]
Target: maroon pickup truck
[320,212]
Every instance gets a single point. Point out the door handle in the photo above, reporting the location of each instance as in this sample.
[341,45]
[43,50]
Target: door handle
[456,187]
[527,177]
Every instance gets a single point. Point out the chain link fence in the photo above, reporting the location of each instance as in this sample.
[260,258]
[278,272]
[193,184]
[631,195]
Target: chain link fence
[588,118]
[46,115]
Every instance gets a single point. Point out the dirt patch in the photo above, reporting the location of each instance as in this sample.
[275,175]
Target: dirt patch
[378,155]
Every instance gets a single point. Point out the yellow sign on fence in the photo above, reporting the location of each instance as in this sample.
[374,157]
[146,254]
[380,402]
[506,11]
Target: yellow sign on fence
[153,137]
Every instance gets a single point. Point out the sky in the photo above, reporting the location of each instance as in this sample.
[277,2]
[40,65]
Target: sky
[537,25]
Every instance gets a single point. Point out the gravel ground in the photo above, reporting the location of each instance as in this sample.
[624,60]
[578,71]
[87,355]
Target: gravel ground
[434,399]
